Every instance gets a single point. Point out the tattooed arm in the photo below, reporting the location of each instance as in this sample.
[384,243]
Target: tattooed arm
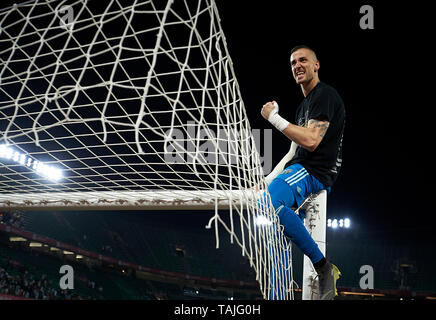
[309,138]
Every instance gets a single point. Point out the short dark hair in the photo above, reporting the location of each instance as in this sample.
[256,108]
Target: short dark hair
[302,46]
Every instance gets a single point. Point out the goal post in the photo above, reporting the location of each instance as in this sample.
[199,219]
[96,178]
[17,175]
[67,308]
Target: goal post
[131,105]
[315,221]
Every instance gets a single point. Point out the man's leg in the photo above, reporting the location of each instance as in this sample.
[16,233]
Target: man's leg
[282,196]
[288,190]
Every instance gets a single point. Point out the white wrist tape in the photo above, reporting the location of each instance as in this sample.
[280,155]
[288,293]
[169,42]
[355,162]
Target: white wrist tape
[277,121]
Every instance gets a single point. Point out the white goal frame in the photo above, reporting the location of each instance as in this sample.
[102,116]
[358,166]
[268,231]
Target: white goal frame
[128,200]
[315,222]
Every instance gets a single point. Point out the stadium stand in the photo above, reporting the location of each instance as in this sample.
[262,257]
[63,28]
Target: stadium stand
[172,256]
[128,239]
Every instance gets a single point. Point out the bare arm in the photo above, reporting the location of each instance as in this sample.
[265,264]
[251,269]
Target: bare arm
[309,138]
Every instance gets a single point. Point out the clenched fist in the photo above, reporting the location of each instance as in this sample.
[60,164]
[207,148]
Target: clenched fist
[268,108]
[270,111]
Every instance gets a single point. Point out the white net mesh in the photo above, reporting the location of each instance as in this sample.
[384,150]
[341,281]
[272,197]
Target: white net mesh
[130,104]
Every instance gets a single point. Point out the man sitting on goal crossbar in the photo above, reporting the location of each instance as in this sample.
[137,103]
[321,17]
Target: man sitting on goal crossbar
[314,159]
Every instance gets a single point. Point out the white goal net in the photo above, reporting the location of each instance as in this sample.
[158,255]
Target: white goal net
[132,104]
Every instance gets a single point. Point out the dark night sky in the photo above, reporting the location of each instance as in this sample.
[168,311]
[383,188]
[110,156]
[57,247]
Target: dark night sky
[386,140]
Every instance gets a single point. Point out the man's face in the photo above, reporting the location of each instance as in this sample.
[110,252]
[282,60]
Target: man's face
[303,65]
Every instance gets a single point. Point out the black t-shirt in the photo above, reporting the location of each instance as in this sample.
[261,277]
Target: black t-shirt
[322,103]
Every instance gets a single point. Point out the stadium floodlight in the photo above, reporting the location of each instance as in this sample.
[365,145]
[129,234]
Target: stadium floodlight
[9,153]
[339,223]
[262,221]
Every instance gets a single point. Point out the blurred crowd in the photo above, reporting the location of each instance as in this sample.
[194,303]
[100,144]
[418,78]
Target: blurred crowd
[13,219]
[17,281]
[26,286]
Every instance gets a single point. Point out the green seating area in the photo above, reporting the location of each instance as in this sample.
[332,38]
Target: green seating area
[140,242]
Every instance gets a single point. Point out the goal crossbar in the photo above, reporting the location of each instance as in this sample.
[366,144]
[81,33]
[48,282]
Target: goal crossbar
[129,200]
